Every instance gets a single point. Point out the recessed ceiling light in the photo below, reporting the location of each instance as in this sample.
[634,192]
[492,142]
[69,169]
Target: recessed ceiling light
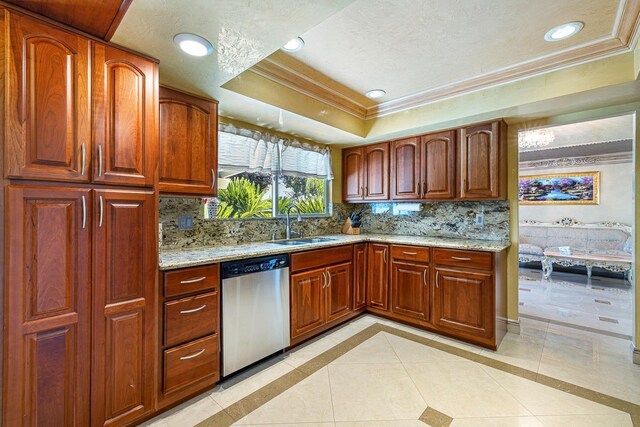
[375,93]
[193,44]
[563,31]
[293,45]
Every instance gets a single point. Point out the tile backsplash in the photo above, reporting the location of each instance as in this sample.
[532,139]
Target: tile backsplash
[439,219]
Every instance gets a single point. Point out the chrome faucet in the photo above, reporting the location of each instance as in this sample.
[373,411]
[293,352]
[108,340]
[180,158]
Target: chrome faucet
[299,219]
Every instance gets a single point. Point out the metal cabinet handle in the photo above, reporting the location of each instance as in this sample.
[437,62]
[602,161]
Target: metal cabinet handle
[84,158]
[213,179]
[424,188]
[197,279]
[437,273]
[101,211]
[99,160]
[192,355]
[419,193]
[362,191]
[385,255]
[424,277]
[84,212]
[410,253]
[329,277]
[366,190]
[193,310]
[324,279]
[460,259]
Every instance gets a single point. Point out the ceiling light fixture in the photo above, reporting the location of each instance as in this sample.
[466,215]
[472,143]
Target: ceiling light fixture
[375,93]
[193,44]
[536,138]
[293,45]
[563,31]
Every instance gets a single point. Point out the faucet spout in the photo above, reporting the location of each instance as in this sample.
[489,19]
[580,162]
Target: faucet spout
[298,218]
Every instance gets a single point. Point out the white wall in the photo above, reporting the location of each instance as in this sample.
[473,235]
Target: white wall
[616,197]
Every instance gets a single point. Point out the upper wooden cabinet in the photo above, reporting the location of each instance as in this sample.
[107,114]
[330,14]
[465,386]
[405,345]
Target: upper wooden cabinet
[125,117]
[48,116]
[423,168]
[482,162]
[80,111]
[188,143]
[366,173]
[464,164]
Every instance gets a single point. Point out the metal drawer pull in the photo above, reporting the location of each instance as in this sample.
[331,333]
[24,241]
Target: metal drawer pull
[193,355]
[192,310]
[410,253]
[197,279]
[84,212]
[99,160]
[84,158]
[461,259]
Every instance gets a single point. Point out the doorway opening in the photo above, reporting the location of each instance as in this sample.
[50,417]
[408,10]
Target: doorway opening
[576,219]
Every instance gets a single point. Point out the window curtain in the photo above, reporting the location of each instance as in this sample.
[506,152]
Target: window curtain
[262,152]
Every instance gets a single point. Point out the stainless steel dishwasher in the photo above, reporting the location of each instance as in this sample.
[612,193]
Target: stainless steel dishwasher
[255,310]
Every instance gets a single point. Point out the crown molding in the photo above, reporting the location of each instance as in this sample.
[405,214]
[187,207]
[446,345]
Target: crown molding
[297,76]
[568,162]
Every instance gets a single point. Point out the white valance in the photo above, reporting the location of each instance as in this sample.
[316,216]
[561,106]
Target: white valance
[242,149]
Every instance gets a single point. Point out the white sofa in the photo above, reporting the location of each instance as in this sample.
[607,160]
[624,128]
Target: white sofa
[605,245]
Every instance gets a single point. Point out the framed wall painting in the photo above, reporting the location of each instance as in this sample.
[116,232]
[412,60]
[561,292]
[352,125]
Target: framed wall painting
[579,188]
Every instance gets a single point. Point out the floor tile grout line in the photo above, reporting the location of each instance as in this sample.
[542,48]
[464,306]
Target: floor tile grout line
[482,367]
[333,407]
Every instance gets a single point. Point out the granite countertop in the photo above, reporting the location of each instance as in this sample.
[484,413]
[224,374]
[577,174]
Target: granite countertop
[179,258]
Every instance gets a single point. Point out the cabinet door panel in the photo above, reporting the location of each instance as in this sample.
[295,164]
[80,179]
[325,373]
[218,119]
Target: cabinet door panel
[48,119]
[188,143]
[125,118]
[307,295]
[359,276]
[464,302]
[438,154]
[378,279]
[353,174]
[480,162]
[338,302]
[405,169]
[124,332]
[47,307]
[376,172]
[410,290]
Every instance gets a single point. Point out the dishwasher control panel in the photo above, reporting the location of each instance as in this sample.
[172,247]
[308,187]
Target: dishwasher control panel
[254,265]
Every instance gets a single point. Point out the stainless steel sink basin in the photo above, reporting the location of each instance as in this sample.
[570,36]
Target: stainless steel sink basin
[305,241]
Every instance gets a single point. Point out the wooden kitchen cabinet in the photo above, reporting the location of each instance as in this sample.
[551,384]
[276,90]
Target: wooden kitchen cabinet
[482,162]
[410,282]
[405,169]
[360,268]
[366,173]
[124,305]
[125,117]
[47,86]
[188,143]
[48,288]
[321,288]
[378,277]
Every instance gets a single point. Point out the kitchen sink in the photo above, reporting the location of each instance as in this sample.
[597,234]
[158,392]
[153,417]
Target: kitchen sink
[305,241]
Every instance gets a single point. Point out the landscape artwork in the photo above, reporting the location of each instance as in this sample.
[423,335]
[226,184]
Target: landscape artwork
[561,188]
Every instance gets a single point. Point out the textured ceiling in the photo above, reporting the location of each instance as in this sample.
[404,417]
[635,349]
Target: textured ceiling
[595,131]
[409,46]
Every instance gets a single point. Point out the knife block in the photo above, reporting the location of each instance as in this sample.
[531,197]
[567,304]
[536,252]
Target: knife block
[348,229]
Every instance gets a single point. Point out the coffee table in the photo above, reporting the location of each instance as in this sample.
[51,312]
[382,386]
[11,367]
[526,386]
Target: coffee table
[615,263]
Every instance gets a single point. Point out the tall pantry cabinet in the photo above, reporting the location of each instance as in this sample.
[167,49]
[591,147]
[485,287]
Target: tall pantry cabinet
[80,218]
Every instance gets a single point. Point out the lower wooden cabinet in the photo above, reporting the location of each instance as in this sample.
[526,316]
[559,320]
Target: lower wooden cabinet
[321,288]
[360,267]
[410,290]
[378,277]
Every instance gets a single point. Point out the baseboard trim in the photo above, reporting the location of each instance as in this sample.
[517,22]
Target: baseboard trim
[636,355]
[513,326]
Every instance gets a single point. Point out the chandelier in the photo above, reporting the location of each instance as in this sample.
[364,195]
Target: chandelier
[535,138]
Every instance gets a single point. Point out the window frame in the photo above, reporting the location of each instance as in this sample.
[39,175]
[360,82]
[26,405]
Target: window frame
[276,192]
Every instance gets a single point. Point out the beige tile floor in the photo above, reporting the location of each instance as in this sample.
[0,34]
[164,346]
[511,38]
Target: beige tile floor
[388,380]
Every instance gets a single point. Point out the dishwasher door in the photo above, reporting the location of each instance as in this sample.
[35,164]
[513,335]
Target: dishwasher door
[255,317]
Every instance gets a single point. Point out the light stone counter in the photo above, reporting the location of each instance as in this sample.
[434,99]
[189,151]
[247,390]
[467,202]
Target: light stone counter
[179,258]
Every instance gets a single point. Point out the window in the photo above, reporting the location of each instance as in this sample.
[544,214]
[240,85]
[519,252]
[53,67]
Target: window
[261,176]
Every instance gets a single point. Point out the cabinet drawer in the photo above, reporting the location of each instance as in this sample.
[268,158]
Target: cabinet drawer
[189,280]
[190,362]
[321,258]
[410,253]
[465,259]
[190,318]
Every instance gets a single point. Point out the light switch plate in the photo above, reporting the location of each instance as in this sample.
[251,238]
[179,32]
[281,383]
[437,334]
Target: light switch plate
[479,220]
